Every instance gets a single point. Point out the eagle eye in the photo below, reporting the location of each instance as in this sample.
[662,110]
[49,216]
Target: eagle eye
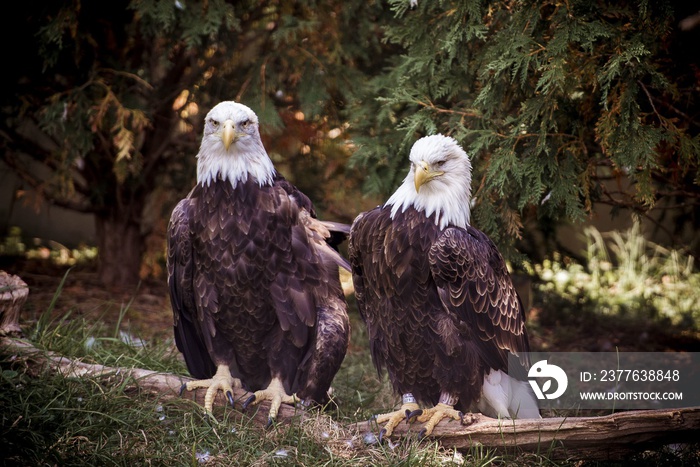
[214,122]
[245,123]
[440,163]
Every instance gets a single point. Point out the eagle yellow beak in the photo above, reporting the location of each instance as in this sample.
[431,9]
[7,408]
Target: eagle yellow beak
[228,134]
[424,173]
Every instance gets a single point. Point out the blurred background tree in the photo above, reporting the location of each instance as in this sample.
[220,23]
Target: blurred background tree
[564,106]
[108,99]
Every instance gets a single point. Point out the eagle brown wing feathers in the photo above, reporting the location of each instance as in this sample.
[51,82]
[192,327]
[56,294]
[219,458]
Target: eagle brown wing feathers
[392,284]
[188,330]
[473,283]
[439,306]
[257,288]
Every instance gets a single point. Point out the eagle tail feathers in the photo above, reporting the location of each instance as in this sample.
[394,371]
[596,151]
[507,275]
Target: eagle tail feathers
[337,227]
[337,233]
[523,403]
[338,259]
[323,361]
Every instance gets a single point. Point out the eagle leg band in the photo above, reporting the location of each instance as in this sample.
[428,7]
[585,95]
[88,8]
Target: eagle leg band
[408,398]
[448,399]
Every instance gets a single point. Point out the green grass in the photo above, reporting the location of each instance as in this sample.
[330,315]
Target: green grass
[49,419]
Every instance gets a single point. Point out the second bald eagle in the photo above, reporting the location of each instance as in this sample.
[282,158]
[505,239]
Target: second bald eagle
[440,308]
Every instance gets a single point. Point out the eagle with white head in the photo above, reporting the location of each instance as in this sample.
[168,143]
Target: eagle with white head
[253,275]
[440,307]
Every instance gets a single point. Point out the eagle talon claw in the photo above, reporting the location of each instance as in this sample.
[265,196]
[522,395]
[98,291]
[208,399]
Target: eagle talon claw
[182,389]
[248,401]
[229,396]
[382,432]
[410,415]
[431,417]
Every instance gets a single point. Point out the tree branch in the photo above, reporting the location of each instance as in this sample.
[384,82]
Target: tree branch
[42,187]
[591,438]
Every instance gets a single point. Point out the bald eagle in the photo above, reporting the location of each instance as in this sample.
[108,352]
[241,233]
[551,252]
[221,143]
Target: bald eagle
[254,283]
[440,308]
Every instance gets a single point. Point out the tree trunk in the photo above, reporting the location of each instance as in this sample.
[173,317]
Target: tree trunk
[13,294]
[120,249]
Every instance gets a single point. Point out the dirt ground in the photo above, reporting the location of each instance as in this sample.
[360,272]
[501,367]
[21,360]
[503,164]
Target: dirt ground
[149,315]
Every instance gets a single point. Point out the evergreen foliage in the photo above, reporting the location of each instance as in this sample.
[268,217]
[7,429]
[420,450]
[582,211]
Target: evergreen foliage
[555,101]
[552,99]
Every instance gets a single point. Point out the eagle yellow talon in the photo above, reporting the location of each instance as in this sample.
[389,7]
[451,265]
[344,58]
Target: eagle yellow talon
[431,417]
[394,418]
[221,381]
[274,393]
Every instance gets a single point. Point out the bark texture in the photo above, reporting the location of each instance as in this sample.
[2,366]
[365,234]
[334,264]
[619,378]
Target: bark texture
[13,294]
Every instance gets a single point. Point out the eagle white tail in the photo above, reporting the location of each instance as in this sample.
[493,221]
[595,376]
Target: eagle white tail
[505,397]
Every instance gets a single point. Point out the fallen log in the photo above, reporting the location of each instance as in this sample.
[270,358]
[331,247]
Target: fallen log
[591,438]
[165,385]
[607,437]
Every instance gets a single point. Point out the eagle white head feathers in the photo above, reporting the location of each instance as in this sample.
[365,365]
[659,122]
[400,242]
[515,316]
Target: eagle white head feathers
[438,182]
[231,148]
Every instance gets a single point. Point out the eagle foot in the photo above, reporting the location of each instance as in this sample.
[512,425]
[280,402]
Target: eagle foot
[392,419]
[222,380]
[431,417]
[274,393]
